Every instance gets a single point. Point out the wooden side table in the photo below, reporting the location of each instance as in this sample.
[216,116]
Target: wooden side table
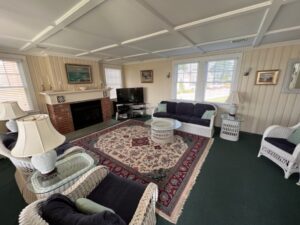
[230,129]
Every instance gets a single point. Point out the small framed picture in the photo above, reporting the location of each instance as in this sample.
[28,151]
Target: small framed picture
[79,74]
[147,76]
[269,77]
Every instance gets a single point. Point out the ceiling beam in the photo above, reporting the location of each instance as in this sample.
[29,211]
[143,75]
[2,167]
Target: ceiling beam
[74,13]
[169,26]
[224,15]
[267,20]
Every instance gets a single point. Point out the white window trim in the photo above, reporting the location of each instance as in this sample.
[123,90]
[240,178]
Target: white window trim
[26,78]
[201,79]
[110,66]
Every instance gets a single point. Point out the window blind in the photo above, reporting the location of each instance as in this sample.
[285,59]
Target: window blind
[113,78]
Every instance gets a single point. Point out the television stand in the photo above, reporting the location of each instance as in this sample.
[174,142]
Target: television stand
[130,110]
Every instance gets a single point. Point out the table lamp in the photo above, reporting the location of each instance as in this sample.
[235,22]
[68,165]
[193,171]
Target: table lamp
[38,138]
[11,111]
[234,101]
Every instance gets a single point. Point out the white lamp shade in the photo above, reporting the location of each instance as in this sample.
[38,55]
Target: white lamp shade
[233,98]
[36,136]
[10,110]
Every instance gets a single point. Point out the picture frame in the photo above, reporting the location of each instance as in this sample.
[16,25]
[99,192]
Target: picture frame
[79,74]
[267,77]
[146,76]
[292,77]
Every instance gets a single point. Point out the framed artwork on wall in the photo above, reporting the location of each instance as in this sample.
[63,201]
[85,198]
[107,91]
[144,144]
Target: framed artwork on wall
[267,77]
[147,76]
[79,74]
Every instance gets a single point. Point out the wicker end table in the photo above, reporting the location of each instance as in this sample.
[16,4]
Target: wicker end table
[230,129]
[68,171]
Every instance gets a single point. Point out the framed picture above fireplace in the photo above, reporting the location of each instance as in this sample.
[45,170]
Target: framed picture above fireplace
[79,74]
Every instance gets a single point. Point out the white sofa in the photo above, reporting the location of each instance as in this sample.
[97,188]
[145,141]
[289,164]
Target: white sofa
[189,114]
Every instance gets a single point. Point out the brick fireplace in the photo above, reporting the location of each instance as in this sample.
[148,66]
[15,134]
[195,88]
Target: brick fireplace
[60,104]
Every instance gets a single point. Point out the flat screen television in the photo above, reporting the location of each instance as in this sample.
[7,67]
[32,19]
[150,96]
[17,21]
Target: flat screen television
[130,95]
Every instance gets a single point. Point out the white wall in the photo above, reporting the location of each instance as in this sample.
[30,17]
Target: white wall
[261,106]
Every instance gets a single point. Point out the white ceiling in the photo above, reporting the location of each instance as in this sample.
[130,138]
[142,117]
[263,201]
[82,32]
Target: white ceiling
[120,31]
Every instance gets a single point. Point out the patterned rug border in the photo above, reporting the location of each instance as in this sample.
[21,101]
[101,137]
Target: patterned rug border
[177,211]
[173,218]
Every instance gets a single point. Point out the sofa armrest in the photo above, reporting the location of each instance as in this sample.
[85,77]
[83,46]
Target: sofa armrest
[212,121]
[30,214]
[86,183]
[146,207]
[155,109]
[277,132]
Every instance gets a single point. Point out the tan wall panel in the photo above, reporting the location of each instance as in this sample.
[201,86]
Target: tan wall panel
[262,105]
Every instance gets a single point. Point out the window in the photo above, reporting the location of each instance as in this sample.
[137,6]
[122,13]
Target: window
[219,80]
[12,84]
[113,78]
[205,79]
[186,81]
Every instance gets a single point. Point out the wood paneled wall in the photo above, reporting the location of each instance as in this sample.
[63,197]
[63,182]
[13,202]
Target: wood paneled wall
[265,105]
[51,70]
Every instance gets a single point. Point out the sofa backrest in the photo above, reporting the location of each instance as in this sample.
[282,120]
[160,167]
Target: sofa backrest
[185,108]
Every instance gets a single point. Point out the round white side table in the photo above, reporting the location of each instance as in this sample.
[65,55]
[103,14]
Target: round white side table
[162,130]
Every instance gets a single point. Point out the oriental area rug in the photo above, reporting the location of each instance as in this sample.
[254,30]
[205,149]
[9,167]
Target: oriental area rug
[128,151]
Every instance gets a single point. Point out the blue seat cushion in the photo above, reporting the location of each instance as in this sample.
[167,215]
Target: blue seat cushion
[282,143]
[171,106]
[119,194]
[162,114]
[199,109]
[9,140]
[199,121]
[183,108]
[182,118]
[60,210]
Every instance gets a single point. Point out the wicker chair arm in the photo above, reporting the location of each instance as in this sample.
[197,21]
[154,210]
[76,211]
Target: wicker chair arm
[146,206]
[30,215]
[277,132]
[71,150]
[296,154]
[86,183]
[296,126]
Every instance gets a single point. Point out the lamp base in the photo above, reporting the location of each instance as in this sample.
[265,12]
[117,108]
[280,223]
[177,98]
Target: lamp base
[12,125]
[45,163]
[233,110]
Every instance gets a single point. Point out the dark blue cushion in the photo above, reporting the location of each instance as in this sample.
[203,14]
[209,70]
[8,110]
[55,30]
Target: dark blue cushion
[162,114]
[62,148]
[9,140]
[199,109]
[60,210]
[199,121]
[171,106]
[182,118]
[119,194]
[282,143]
[185,108]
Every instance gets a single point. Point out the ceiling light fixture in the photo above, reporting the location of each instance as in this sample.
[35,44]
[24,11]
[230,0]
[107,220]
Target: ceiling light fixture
[131,56]
[104,48]
[144,37]
[71,11]
[43,32]
[83,53]
[223,15]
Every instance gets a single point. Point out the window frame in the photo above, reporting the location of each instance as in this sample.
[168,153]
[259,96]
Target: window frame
[25,77]
[202,75]
[109,66]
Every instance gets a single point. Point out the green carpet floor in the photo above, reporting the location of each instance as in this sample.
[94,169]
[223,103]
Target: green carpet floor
[234,188]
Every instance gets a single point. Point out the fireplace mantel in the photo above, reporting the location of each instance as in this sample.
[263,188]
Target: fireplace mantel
[59,97]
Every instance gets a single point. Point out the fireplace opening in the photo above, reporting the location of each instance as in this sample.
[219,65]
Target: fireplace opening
[86,114]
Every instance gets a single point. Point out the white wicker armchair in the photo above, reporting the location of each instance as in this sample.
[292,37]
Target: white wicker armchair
[288,162]
[144,214]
